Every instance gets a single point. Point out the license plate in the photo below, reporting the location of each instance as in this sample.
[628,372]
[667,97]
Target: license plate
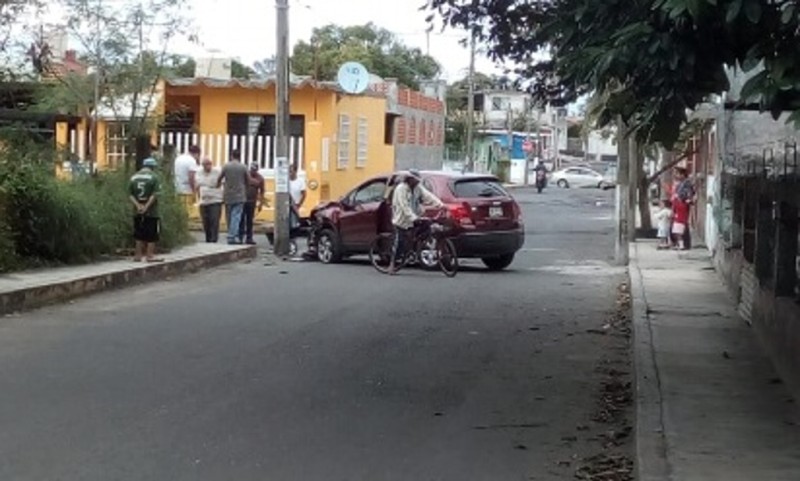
[495,212]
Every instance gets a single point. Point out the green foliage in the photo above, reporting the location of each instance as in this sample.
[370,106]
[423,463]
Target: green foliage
[458,91]
[377,48]
[575,131]
[50,221]
[72,95]
[652,60]
[8,259]
[126,45]
[455,135]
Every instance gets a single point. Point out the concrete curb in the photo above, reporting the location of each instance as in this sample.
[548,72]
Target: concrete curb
[651,445]
[34,297]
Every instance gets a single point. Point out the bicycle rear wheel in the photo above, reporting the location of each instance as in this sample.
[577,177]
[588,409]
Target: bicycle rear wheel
[448,258]
[380,253]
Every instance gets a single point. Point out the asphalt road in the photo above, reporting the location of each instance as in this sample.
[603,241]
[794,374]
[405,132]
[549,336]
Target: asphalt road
[308,372]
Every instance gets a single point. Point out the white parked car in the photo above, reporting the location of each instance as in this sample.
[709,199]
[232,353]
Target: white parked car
[579,177]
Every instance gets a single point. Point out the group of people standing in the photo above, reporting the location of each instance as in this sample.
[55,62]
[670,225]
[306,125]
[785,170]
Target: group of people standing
[673,215]
[234,187]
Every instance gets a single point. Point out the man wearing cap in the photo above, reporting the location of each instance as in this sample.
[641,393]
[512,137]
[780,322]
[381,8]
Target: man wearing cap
[407,198]
[143,189]
[253,202]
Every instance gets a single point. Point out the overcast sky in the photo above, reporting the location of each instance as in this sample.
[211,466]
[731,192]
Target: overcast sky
[246,28]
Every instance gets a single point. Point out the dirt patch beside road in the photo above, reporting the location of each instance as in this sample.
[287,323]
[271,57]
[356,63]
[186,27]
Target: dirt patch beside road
[613,418]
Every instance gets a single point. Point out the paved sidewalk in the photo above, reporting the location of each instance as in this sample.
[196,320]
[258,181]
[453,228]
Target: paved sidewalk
[36,288]
[709,403]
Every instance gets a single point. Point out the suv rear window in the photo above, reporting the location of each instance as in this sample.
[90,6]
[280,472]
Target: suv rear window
[474,188]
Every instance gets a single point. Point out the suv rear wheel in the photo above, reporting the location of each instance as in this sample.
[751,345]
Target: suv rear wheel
[329,250]
[498,263]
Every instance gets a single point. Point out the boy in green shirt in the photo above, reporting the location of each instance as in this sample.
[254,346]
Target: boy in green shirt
[143,189]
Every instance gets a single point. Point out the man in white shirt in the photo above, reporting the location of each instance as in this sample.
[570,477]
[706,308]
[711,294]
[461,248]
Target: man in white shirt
[297,191]
[406,211]
[185,170]
[206,180]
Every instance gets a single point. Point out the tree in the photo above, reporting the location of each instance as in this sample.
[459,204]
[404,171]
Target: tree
[241,71]
[126,43]
[264,68]
[653,59]
[575,130]
[458,91]
[12,13]
[457,116]
[378,49]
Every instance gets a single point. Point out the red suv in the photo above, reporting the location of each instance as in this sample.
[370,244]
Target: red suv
[487,220]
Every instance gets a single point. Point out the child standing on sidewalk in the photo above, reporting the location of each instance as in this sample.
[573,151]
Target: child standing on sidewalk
[664,218]
[680,224]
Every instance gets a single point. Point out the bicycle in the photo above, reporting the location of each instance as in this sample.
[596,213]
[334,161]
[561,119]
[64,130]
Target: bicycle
[430,247]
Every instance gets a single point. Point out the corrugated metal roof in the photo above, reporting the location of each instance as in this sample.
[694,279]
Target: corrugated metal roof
[295,81]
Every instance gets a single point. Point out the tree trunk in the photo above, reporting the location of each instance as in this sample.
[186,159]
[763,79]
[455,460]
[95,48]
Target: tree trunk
[644,201]
[622,241]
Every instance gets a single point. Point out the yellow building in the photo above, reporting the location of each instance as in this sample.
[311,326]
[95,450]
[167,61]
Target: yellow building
[337,139]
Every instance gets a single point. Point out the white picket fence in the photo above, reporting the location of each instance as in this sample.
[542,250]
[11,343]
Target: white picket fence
[77,144]
[253,148]
[217,147]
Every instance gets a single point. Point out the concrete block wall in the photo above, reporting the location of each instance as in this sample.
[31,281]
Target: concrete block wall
[752,142]
[749,135]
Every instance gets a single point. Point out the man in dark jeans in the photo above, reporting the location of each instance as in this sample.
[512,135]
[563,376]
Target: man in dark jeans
[253,203]
[210,199]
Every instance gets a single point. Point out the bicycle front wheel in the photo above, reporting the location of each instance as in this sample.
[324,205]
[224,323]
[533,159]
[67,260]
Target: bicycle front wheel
[380,252]
[448,258]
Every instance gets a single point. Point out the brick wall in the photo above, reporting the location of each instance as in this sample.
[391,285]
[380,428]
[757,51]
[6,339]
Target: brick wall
[419,142]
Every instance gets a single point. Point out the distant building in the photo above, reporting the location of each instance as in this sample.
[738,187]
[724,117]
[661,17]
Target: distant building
[502,109]
[213,67]
[66,65]
[419,132]
[601,146]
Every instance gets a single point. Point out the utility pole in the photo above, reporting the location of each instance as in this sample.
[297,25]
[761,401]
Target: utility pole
[510,121]
[93,130]
[622,212]
[526,177]
[428,41]
[471,103]
[282,131]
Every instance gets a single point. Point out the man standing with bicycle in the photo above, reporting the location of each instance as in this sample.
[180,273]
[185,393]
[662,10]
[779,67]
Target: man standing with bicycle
[407,200]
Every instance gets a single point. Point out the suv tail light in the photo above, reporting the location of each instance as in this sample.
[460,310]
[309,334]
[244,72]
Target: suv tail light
[460,213]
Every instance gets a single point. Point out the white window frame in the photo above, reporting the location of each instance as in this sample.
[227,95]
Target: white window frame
[362,142]
[343,142]
[116,144]
[500,103]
